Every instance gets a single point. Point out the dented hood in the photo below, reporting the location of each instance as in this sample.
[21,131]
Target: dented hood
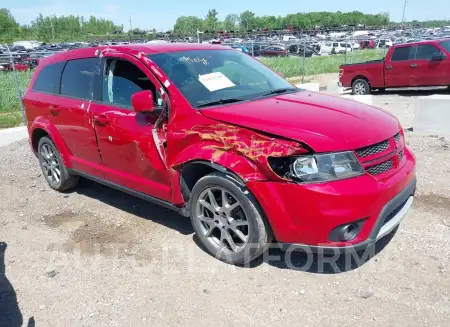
[324,122]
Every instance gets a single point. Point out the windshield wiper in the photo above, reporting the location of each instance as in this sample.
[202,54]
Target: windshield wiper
[279,91]
[220,101]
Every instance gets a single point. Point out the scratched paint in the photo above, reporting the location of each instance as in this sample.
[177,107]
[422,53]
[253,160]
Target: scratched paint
[243,151]
[250,144]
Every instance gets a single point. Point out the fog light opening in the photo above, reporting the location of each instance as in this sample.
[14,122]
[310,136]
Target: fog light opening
[348,232]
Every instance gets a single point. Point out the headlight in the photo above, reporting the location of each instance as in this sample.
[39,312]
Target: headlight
[318,167]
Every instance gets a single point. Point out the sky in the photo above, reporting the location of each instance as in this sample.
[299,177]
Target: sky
[148,14]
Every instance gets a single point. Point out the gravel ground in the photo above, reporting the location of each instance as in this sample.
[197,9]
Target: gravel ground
[98,257]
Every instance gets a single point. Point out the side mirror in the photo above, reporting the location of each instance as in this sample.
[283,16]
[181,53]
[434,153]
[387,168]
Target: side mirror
[143,101]
[437,57]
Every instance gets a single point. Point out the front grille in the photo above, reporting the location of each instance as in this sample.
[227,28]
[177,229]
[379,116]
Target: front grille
[397,137]
[381,168]
[373,149]
[394,212]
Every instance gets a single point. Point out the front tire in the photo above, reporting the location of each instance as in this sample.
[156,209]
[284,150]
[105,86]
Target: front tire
[53,168]
[227,220]
[361,87]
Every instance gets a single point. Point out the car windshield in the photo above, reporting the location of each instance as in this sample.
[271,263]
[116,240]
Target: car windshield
[214,77]
[446,45]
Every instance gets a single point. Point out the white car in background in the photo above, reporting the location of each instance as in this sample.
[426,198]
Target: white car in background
[326,47]
[383,43]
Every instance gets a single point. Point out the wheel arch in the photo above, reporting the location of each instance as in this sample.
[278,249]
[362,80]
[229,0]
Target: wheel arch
[41,128]
[357,77]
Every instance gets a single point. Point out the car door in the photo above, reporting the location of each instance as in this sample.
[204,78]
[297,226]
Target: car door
[400,67]
[429,72]
[72,110]
[127,145]
[445,71]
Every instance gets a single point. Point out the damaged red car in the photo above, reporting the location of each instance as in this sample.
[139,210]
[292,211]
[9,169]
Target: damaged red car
[217,136]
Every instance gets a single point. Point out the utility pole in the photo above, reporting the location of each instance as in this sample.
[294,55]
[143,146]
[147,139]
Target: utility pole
[131,27]
[53,29]
[404,9]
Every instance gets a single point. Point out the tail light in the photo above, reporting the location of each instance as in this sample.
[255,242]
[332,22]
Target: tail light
[341,72]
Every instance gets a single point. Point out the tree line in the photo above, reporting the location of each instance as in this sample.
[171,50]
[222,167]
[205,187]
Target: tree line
[79,28]
[247,21]
[52,28]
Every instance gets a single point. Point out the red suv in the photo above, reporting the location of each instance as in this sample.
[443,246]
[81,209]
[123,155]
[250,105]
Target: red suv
[215,135]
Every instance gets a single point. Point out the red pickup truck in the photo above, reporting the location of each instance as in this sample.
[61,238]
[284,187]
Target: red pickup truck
[425,63]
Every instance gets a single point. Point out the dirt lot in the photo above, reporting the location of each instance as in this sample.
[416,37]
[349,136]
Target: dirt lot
[98,257]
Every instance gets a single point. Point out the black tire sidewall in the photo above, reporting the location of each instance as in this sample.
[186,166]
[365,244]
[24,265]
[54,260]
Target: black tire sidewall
[257,240]
[64,175]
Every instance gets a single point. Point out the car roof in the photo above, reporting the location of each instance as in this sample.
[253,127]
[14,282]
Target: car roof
[133,49]
[422,42]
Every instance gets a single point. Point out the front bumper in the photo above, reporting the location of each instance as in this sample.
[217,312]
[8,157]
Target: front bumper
[305,215]
[394,211]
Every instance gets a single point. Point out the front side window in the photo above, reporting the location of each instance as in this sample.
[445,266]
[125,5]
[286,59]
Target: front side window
[121,80]
[48,79]
[426,51]
[78,78]
[403,53]
[204,76]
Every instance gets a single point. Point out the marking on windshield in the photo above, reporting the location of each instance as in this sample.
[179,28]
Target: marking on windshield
[196,59]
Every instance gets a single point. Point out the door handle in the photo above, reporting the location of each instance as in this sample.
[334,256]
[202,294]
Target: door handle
[413,65]
[389,67]
[101,120]
[54,110]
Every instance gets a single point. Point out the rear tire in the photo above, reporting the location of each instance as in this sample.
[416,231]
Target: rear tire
[53,168]
[236,231]
[361,87]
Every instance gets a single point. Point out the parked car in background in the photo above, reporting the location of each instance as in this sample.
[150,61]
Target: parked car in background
[419,64]
[326,47]
[255,49]
[367,44]
[274,51]
[346,47]
[217,136]
[240,47]
[32,63]
[300,50]
[333,47]
[339,48]
[382,44]
[19,65]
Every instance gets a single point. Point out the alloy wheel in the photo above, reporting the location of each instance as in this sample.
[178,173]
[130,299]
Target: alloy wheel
[50,164]
[222,220]
[360,89]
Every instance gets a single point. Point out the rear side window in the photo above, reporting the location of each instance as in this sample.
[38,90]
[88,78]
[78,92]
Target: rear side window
[403,53]
[78,78]
[426,51]
[48,79]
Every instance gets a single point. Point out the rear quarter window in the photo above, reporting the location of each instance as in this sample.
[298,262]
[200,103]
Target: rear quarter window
[48,78]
